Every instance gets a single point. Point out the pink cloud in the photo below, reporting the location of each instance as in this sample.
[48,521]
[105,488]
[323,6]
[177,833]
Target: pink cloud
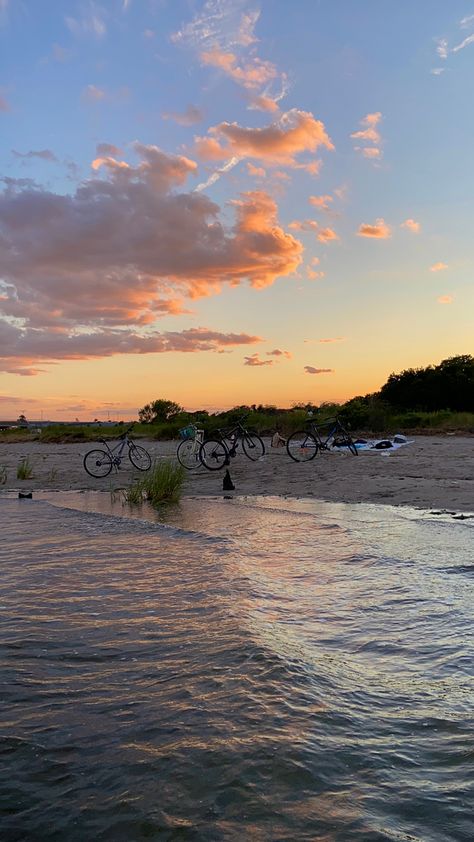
[43,154]
[411,225]
[107,150]
[251,73]
[309,369]
[438,267]
[258,172]
[313,275]
[279,143]
[379,230]
[4,106]
[332,339]
[369,151]
[304,225]
[445,299]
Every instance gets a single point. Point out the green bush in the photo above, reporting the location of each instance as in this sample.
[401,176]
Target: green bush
[24,469]
[162,484]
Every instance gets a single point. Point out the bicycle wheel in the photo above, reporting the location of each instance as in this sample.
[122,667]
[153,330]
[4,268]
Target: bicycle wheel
[98,463]
[187,454]
[253,446]
[302,446]
[213,454]
[347,441]
[139,457]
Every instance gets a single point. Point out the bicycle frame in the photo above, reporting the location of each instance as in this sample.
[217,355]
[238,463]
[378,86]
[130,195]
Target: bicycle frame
[336,426]
[116,452]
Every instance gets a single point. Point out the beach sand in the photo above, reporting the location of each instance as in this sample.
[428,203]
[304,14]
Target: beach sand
[433,472]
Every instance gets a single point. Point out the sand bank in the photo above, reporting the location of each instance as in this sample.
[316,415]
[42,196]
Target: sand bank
[434,472]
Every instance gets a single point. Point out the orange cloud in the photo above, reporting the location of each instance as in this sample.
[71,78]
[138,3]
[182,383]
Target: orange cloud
[411,225]
[369,134]
[252,74]
[264,103]
[93,94]
[321,202]
[314,275]
[332,339]
[379,230]
[369,151]
[327,235]
[445,299]
[258,172]
[438,267]
[304,225]
[279,143]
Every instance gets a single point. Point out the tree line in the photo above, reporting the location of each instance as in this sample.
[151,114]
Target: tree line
[404,398]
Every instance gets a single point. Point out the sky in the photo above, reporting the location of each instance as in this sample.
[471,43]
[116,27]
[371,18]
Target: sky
[223,202]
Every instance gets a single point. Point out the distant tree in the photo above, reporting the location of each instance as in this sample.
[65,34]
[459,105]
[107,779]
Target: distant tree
[449,385]
[22,420]
[158,411]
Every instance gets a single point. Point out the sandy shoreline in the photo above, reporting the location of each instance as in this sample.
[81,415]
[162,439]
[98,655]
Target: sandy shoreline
[434,472]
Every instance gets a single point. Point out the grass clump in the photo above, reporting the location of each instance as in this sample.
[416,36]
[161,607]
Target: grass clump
[162,484]
[3,475]
[24,469]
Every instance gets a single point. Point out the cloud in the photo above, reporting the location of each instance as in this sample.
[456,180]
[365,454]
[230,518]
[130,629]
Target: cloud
[4,106]
[91,23]
[332,339]
[126,248]
[107,150]
[221,23]
[326,235]
[257,172]
[296,132]
[314,275]
[463,44]
[277,352]
[189,117]
[255,360]
[264,103]
[438,267]
[369,135]
[437,71]
[49,347]
[43,154]
[92,93]
[304,225]
[445,299]
[309,369]
[442,48]
[253,73]
[321,202]
[369,151]
[379,230]
[411,225]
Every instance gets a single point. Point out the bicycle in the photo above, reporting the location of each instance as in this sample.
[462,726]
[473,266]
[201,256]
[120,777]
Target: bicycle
[188,449]
[303,445]
[215,453]
[99,463]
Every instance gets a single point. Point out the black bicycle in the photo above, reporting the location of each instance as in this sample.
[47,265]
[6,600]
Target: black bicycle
[217,452]
[99,463]
[304,445]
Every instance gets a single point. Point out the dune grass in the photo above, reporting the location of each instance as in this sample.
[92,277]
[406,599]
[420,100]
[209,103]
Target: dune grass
[161,484]
[3,475]
[24,469]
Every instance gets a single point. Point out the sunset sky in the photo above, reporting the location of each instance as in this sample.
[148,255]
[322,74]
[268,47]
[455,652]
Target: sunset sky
[230,202]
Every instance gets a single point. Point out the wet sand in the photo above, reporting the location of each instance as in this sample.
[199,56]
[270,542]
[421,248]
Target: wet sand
[434,472]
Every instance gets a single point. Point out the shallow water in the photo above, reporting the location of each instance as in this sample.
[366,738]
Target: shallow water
[255,668]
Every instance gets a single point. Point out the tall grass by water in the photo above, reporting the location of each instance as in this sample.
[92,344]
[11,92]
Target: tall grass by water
[24,469]
[162,484]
